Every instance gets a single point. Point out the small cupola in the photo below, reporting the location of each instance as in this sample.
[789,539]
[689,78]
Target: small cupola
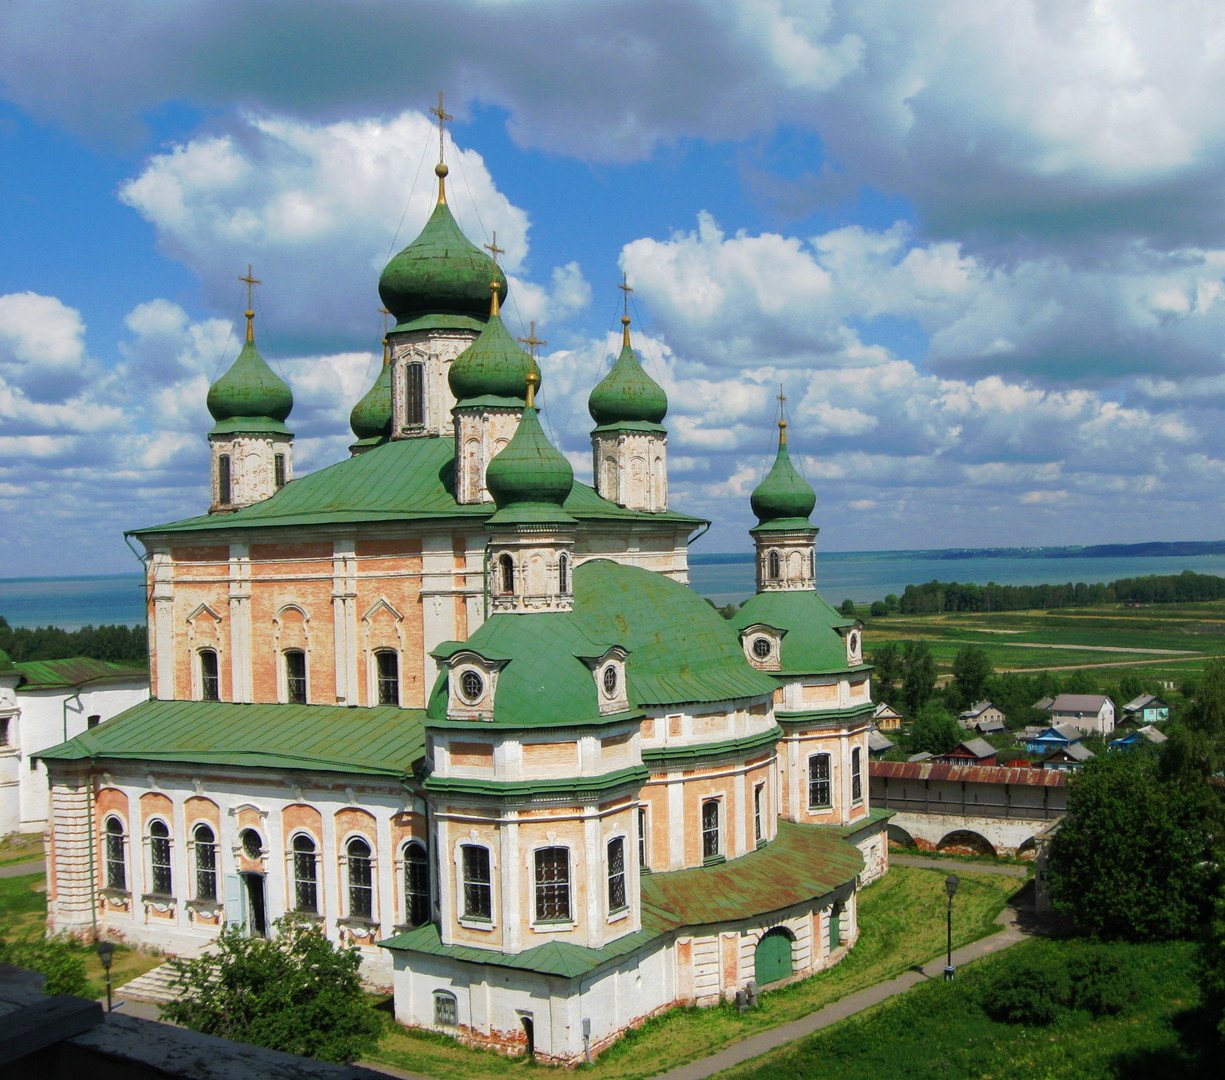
[494,368]
[784,499]
[784,535]
[627,394]
[371,416]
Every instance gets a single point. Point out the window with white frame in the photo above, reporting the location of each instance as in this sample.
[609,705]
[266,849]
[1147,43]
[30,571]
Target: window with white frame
[387,669]
[616,874]
[774,569]
[856,774]
[210,682]
[278,471]
[563,573]
[818,781]
[552,884]
[305,875]
[506,575]
[759,794]
[295,676]
[252,845]
[414,394]
[643,862]
[477,882]
[416,884]
[116,863]
[712,840]
[160,878]
[204,851]
[361,879]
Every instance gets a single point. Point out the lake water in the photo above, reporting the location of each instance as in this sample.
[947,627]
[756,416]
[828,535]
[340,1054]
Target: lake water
[863,576]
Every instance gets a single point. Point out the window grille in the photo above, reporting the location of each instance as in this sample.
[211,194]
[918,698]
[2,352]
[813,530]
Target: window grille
[206,863]
[563,573]
[445,1012]
[710,829]
[305,876]
[616,873]
[210,684]
[159,857]
[758,793]
[361,879]
[116,867]
[642,838]
[818,781]
[552,884]
[223,479]
[414,394]
[295,676]
[416,885]
[388,664]
[278,469]
[478,886]
[856,776]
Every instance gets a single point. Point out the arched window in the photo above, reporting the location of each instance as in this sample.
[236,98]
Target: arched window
[387,664]
[773,566]
[205,850]
[477,883]
[563,573]
[116,865]
[642,839]
[416,884]
[759,794]
[616,874]
[552,884]
[295,676]
[856,775]
[210,684]
[414,394]
[159,858]
[506,575]
[278,471]
[361,879]
[445,1012]
[305,876]
[223,479]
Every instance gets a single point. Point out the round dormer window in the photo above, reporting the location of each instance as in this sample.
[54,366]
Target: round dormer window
[471,687]
[853,642]
[609,679]
[762,648]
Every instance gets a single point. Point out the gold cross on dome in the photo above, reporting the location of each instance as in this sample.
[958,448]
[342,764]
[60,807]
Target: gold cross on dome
[532,341]
[493,249]
[626,288]
[443,116]
[251,283]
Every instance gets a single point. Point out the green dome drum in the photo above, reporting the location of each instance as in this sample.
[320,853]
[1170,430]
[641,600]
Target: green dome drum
[493,366]
[371,417]
[530,470]
[250,389]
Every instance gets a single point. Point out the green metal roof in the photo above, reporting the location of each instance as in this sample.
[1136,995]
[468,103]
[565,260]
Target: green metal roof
[804,862]
[627,393]
[784,499]
[811,642]
[371,416]
[530,479]
[250,394]
[403,480]
[383,741]
[493,365]
[57,674]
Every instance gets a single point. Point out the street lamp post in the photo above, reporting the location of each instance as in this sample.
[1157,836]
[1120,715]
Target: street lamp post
[950,887]
[105,951]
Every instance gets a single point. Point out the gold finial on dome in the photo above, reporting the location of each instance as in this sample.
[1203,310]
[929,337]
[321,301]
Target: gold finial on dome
[250,312]
[441,170]
[386,351]
[532,341]
[532,379]
[782,419]
[626,288]
[494,307]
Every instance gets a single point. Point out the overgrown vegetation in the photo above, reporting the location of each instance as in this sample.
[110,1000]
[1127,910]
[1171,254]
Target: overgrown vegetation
[119,644]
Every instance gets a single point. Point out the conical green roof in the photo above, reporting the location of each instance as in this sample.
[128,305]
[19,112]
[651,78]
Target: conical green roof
[371,417]
[493,366]
[784,499]
[250,396]
[529,479]
[441,273]
[627,394]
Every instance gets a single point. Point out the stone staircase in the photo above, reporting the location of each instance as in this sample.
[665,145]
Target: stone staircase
[157,986]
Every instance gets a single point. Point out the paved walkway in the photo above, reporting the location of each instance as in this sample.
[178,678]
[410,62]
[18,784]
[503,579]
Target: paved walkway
[21,869]
[756,1045]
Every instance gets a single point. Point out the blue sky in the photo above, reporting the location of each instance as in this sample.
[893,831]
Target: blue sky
[982,246]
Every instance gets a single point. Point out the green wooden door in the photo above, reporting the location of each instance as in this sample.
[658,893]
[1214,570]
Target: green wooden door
[772,961]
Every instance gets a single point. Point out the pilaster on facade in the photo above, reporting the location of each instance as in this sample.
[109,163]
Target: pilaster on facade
[344,618]
[241,681]
[161,625]
[438,574]
[421,398]
[74,855]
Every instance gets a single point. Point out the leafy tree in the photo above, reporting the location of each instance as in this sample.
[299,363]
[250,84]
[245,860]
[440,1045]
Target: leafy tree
[879,609]
[1080,682]
[935,730]
[848,607]
[971,670]
[60,961]
[919,678]
[1130,688]
[1196,748]
[892,602]
[887,660]
[1131,859]
[295,992]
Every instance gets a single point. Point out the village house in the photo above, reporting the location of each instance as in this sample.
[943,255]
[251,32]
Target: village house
[1146,709]
[983,717]
[1091,713]
[969,752]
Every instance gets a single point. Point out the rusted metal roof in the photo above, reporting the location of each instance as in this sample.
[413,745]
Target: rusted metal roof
[975,774]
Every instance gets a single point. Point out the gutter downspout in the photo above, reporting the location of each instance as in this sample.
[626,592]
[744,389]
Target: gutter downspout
[485,581]
[698,535]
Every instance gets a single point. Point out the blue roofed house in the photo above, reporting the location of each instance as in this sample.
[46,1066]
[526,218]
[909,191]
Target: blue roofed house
[1141,737]
[1055,737]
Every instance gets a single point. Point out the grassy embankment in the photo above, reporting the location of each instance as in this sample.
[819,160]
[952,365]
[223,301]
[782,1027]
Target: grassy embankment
[941,1030]
[23,914]
[902,923]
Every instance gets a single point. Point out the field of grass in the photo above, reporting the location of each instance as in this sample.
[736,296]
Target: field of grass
[23,914]
[20,847]
[940,1029]
[902,923]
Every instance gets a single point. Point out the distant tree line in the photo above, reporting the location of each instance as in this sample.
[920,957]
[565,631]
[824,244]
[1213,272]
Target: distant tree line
[119,644]
[936,596]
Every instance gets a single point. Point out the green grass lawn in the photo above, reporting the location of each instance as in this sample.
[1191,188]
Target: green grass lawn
[902,923]
[939,1029]
[21,847]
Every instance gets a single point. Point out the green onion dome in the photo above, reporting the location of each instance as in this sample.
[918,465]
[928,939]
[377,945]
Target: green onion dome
[371,417]
[627,393]
[494,365]
[250,395]
[530,470]
[784,498]
[441,272]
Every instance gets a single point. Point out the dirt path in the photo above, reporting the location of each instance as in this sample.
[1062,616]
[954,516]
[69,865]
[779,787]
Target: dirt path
[1116,664]
[1069,646]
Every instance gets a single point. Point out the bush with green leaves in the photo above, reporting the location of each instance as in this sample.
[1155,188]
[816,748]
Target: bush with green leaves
[61,962]
[1039,987]
[295,992]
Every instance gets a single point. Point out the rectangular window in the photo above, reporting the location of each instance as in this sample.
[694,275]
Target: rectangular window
[478,886]
[305,875]
[616,874]
[856,776]
[361,880]
[642,838]
[223,479]
[278,468]
[416,885]
[206,864]
[414,394]
[4,730]
[388,664]
[210,684]
[711,840]
[159,858]
[116,870]
[552,884]
[818,781]
[445,1012]
[758,795]
[295,676]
